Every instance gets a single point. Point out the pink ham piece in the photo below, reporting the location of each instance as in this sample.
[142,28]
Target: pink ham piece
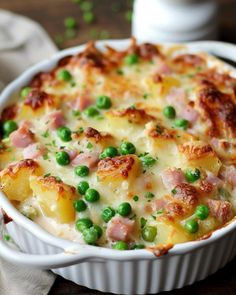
[214,180]
[230,175]
[22,137]
[120,229]
[88,159]
[222,210]
[80,103]
[34,150]
[163,69]
[177,98]
[172,177]
[56,119]
[190,114]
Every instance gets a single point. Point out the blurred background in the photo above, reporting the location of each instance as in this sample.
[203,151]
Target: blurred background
[72,22]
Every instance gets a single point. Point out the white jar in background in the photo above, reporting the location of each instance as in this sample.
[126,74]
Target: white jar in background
[175,20]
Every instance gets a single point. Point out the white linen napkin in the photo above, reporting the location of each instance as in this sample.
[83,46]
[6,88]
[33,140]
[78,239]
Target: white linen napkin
[22,43]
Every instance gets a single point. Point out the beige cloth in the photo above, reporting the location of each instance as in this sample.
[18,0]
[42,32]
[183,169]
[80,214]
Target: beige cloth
[22,43]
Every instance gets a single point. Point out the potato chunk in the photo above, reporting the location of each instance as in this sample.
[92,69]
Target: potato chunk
[112,171]
[15,179]
[55,198]
[201,155]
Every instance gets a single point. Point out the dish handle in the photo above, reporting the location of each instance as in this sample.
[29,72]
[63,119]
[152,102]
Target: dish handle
[50,261]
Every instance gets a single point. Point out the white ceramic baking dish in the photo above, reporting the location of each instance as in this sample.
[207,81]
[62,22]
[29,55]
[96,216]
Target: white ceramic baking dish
[121,272]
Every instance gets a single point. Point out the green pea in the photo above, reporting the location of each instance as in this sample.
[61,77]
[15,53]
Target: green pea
[181,123]
[82,187]
[124,209]
[70,23]
[137,247]
[64,133]
[127,148]
[88,17]
[120,245]
[148,161]
[80,205]
[83,223]
[82,171]
[62,158]
[98,229]
[149,233]
[202,212]
[109,152]
[107,214]
[169,112]
[192,176]
[91,112]
[25,92]
[90,235]
[64,75]
[191,226]
[92,195]
[8,127]
[103,102]
[131,59]
[149,195]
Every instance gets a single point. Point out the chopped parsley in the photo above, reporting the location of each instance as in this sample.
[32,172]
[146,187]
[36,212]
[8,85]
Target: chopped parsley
[143,222]
[160,211]
[145,96]
[47,175]
[149,195]
[76,113]
[174,191]
[120,72]
[45,156]
[89,145]
[45,134]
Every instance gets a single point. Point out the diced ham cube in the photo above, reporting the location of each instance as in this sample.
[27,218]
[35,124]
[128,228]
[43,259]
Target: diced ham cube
[120,229]
[222,210]
[22,137]
[172,177]
[80,103]
[89,159]
[214,180]
[56,120]
[229,175]
[34,150]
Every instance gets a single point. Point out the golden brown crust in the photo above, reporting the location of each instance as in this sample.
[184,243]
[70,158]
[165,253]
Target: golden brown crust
[123,164]
[161,132]
[188,61]
[136,116]
[194,151]
[219,109]
[54,182]
[13,168]
[9,112]
[186,193]
[36,99]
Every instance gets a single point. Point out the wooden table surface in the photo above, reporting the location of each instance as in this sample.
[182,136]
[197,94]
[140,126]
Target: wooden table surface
[111,22]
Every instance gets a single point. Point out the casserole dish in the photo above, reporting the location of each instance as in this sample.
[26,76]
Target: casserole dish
[126,272]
